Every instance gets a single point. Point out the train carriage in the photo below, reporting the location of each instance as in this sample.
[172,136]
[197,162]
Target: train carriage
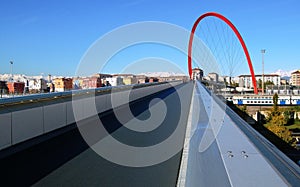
[265,99]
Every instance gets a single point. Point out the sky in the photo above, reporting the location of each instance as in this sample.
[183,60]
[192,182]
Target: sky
[52,36]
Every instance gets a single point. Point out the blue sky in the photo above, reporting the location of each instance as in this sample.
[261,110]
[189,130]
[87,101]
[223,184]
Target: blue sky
[50,37]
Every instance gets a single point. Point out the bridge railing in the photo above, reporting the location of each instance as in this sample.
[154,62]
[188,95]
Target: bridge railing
[228,148]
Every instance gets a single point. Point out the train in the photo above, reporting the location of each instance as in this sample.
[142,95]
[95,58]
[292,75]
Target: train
[263,99]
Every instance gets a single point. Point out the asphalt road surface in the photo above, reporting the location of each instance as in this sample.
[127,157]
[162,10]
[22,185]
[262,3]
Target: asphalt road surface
[67,160]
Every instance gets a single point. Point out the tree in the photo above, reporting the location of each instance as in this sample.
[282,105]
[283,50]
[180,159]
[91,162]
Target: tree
[275,102]
[259,83]
[277,121]
[289,116]
[3,88]
[268,82]
[276,125]
[296,108]
[244,108]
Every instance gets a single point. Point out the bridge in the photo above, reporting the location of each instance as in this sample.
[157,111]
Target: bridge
[160,134]
[220,151]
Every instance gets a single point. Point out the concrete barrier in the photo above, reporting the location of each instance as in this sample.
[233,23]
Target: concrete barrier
[89,107]
[5,129]
[27,120]
[27,124]
[70,113]
[54,116]
[101,103]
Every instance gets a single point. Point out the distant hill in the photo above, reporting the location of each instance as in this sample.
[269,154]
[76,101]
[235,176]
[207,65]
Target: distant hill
[161,74]
[287,78]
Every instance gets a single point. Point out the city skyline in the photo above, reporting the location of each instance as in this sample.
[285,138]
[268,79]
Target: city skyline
[51,37]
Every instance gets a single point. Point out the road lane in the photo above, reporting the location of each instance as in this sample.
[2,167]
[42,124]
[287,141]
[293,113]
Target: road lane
[66,160]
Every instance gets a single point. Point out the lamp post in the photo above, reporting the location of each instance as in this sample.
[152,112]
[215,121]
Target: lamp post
[11,69]
[263,51]
[12,76]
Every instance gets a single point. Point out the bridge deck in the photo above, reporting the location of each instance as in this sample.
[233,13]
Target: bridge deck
[67,160]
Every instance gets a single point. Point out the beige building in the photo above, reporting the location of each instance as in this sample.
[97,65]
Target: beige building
[63,84]
[295,78]
[128,79]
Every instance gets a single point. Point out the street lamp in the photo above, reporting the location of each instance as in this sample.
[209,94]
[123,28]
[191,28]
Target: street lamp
[263,51]
[12,76]
[11,70]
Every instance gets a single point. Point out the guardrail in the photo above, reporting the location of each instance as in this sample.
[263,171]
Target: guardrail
[23,118]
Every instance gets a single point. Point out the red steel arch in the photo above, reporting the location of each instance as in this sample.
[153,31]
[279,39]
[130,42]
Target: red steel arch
[214,14]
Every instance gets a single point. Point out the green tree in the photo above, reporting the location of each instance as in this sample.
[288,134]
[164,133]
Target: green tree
[296,108]
[277,121]
[276,125]
[244,108]
[267,83]
[259,83]
[275,102]
[289,116]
